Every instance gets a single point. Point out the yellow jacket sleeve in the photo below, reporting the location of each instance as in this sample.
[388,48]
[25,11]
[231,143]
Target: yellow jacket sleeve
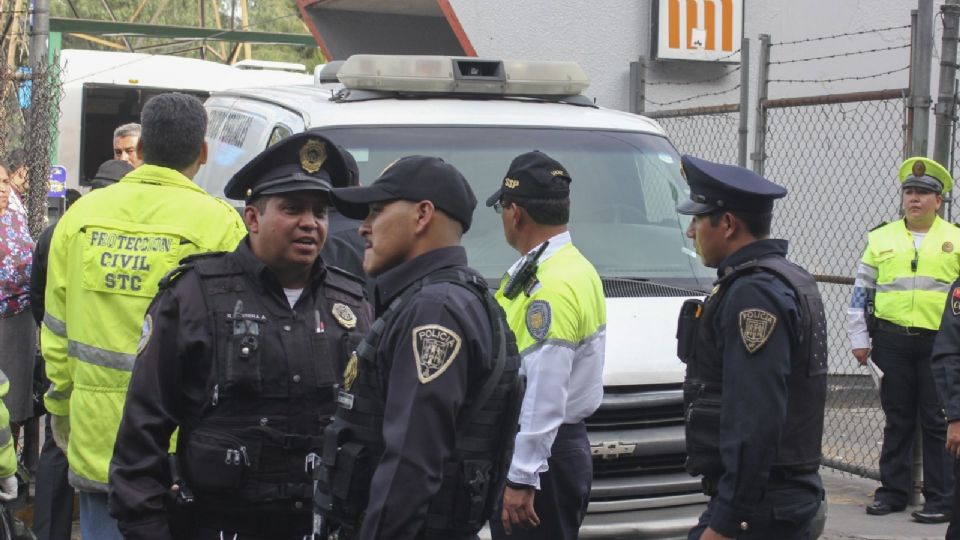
[53,332]
[8,458]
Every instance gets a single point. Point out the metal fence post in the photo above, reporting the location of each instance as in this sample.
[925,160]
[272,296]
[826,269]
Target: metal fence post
[946,105]
[638,82]
[920,85]
[742,129]
[763,76]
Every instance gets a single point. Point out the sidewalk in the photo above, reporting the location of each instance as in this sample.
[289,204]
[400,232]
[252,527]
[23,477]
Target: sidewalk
[847,519]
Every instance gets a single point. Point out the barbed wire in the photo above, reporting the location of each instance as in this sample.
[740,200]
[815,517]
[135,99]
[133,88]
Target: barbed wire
[688,83]
[838,79]
[691,98]
[845,34]
[838,55]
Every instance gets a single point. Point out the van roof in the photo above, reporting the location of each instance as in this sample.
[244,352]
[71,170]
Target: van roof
[314,104]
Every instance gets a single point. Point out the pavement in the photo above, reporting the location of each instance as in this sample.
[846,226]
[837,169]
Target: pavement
[847,519]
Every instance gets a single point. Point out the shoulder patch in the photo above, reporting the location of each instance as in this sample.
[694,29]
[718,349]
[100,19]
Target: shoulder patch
[146,332]
[345,281]
[756,327]
[878,226]
[434,348]
[955,301]
[539,319]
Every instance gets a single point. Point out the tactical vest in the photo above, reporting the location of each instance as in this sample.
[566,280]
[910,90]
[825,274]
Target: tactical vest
[800,440]
[474,476]
[271,388]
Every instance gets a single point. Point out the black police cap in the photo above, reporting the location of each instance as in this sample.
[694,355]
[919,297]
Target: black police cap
[714,186]
[412,178]
[534,175]
[110,172]
[306,161]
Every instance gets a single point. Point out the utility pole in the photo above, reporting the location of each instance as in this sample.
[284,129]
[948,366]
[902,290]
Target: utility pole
[920,97]
[245,21]
[946,101]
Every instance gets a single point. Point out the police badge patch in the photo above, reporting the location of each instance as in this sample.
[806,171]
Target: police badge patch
[434,349]
[955,302]
[538,319]
[344,316]
[756,327]
[145,333]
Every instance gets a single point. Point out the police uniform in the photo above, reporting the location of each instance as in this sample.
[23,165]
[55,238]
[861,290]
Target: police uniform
[247,378]
[945,363]
[558,312]
[755,384]
[903,279]
[426,417]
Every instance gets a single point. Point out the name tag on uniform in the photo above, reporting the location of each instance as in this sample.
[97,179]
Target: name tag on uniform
[345,400]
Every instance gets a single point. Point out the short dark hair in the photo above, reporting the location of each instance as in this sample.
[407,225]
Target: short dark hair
[15,159]
[71,197]
[757,224]
[173,127]
[543,211]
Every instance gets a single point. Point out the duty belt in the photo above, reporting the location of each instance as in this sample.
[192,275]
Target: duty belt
[889,327]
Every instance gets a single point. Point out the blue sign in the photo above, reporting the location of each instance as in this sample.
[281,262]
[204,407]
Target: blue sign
[25,92]
[58,181]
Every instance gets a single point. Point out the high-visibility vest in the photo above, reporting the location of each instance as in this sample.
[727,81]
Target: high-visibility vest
[107,256]
[912,284]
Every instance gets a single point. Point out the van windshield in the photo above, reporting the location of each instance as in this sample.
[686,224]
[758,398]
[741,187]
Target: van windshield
[624,193]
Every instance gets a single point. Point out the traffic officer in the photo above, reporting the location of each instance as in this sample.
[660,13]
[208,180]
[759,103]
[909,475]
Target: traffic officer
[945,362]
[555,305]
[898,298]
[107,256]
[241,351]
[756,358]
[427,414]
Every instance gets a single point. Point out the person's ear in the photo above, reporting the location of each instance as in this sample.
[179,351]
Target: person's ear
[425,211]
[251,218]
[202,158]
[140,149]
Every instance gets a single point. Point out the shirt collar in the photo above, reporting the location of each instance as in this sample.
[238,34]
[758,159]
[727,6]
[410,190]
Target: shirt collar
[556,242]
[265,277]
[752,251]
[396,280]
[164,176]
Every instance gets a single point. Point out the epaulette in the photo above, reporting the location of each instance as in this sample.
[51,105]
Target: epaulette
[187,263]
[878,226]
[345,281]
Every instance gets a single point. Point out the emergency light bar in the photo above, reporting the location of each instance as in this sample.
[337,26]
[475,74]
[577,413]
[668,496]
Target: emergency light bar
[444,74]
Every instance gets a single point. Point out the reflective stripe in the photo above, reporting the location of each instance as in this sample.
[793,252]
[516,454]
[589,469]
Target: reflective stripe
[100,357]
[601,332]
[3,378]
[55,325]
[5,436]
[53,393]
[85,484]
[867,273]
[919,283]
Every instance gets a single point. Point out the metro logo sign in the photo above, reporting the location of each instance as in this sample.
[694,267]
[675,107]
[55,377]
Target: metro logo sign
[699,29]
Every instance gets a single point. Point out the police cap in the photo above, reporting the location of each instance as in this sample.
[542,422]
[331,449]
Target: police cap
[714,186]
[306,161]
[924,173]
[412,178]
[110,172]
[534,175]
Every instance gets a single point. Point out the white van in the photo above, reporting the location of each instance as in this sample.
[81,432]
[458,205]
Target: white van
[103,90]
[478,115]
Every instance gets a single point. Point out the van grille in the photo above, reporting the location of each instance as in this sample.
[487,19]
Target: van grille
[631,288]
[637,465]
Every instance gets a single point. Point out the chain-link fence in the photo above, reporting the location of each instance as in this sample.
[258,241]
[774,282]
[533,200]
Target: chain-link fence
[835,155]
[706,132]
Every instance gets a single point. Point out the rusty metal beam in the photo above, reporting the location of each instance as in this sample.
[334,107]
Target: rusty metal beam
[876,95]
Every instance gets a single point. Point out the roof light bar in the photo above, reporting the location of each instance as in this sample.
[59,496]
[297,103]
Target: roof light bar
[444,74]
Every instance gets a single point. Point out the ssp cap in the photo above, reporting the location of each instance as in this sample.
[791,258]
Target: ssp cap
[534,175]
[714,186]
[306,161]
[412,178]
[110,172]
[926,174]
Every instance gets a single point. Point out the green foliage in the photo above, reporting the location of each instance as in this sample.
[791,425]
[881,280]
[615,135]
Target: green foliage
[264,15]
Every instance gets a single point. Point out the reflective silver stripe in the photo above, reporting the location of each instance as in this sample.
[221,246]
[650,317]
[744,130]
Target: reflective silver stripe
[866,273]
[601,331]
[100,357]
[3,378]
[55,325]
[5,436]
[919,283]
[85,484]
[53,393]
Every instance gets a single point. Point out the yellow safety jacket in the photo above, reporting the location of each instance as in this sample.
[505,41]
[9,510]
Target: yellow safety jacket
[912,284]
[107,256]
[8,458]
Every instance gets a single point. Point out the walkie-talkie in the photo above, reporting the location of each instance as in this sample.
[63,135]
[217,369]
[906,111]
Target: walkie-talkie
[526,275]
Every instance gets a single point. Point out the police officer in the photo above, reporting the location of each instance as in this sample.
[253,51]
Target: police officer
[427,414]
[756,358]
[241,351]
[554,303]
[903,279]
[945,362]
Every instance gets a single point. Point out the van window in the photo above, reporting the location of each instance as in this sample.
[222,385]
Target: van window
[279,133]
[624,193]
